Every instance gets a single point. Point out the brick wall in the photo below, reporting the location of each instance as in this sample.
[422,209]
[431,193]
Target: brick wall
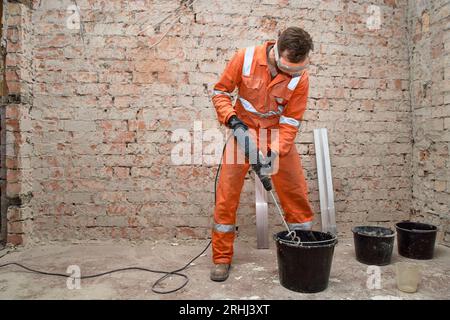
[430,99]
[16,105]
[105,103]
[3,219]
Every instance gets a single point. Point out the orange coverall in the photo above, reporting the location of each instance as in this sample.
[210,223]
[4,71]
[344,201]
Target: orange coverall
[263,102]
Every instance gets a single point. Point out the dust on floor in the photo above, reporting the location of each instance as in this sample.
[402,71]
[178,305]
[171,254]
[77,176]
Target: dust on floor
[254,274]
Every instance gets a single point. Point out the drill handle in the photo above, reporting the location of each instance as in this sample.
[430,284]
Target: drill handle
[252,154]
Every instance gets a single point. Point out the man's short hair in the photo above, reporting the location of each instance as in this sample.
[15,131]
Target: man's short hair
[297,42]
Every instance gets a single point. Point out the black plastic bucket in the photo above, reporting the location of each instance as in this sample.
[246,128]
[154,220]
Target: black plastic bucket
[373,245]
[416,240]
[305,267]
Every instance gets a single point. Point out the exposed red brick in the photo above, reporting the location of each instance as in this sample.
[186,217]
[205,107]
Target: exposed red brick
[15,239]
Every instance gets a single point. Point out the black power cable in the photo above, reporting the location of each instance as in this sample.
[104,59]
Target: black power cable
[157,282]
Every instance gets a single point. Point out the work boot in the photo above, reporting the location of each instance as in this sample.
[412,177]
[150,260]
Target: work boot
[220,272]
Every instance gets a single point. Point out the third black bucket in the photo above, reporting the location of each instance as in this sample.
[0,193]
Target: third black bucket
[305,266]
[373,245]
[416,240]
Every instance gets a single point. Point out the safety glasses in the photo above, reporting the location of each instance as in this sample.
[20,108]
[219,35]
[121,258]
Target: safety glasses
[291,68]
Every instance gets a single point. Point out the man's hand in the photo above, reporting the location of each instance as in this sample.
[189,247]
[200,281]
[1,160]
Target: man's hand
[235,123]
[269,164]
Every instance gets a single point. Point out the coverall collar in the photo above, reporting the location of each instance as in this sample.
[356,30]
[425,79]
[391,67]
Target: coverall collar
[261,58]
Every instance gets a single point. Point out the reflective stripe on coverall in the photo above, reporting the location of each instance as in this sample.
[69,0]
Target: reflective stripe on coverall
[266,103]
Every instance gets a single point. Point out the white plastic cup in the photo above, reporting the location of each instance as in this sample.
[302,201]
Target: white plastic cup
[408,276]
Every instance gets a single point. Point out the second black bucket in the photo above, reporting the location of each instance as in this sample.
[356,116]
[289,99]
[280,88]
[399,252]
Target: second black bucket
[416,240]
[305,267]
[373,245]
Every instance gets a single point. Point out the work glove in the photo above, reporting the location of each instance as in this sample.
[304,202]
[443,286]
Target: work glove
[264,168]
[268,163]
[236,123]
[240,130]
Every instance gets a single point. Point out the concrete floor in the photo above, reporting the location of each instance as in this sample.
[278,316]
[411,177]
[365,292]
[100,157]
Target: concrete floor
[254,274]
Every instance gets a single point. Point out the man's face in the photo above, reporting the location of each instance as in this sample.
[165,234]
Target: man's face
[287,67]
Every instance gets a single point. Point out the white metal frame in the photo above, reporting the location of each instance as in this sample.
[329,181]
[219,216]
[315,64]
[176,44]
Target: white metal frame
[326,192]
[262,216]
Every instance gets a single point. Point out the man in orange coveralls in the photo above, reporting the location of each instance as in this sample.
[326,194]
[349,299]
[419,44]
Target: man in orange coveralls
[273,88]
